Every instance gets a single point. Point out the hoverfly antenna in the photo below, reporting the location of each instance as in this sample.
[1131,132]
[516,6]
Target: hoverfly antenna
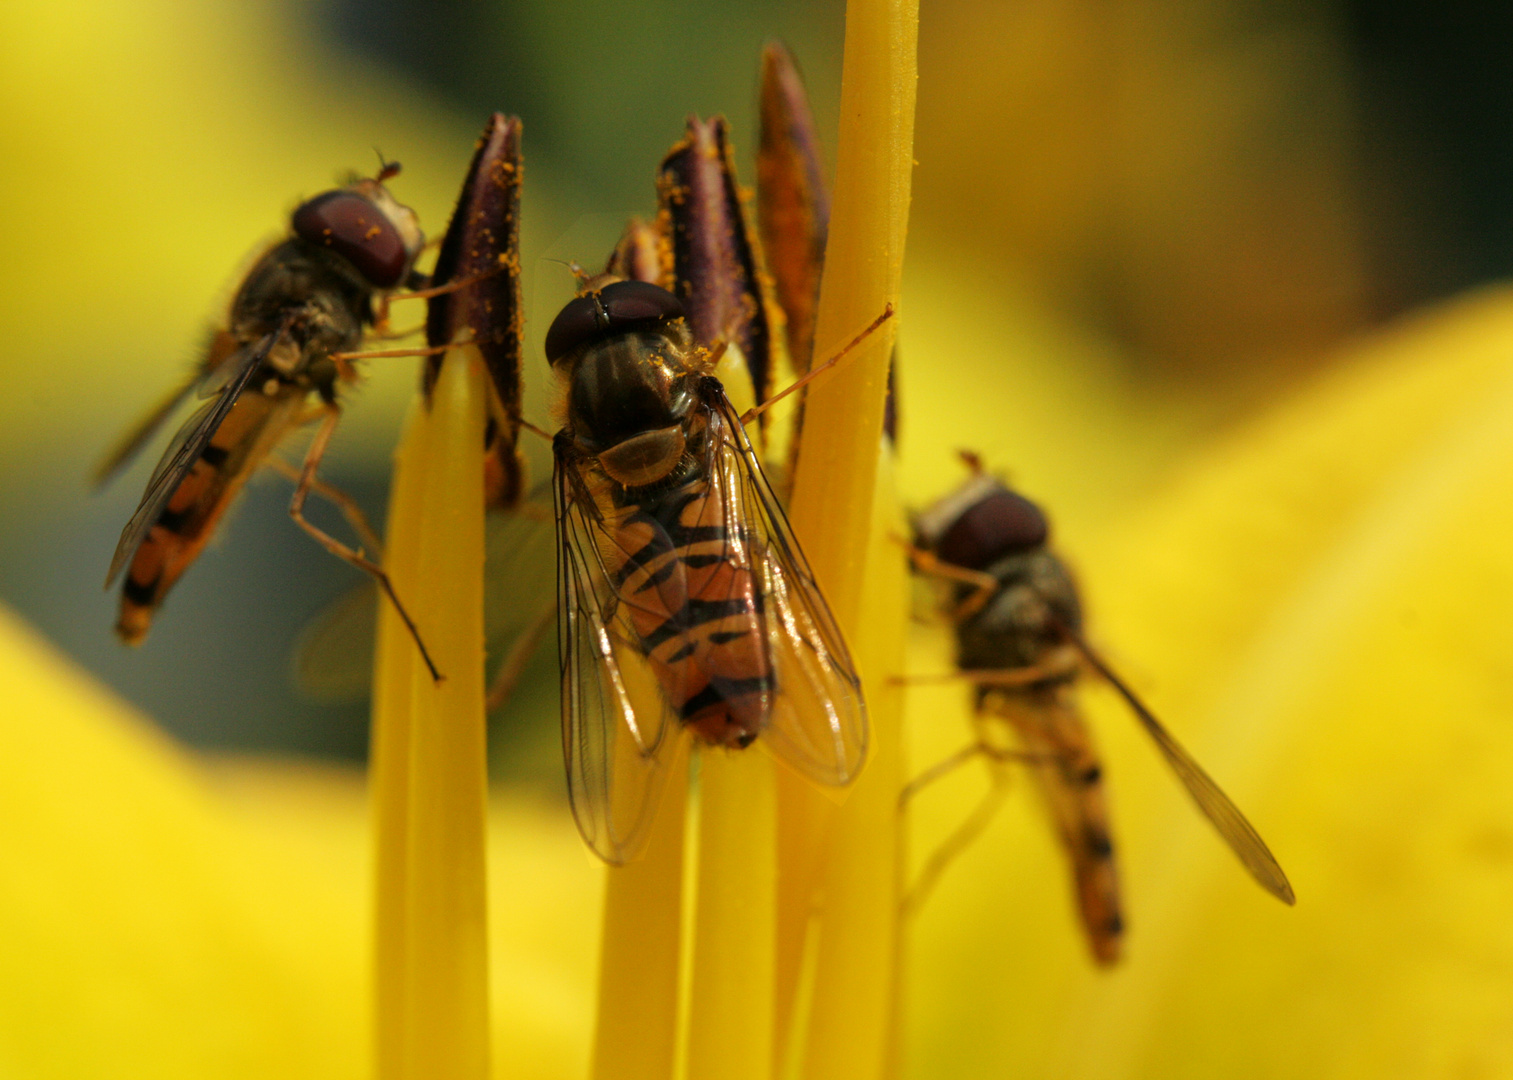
[587,282]
[971,459]
[387,170]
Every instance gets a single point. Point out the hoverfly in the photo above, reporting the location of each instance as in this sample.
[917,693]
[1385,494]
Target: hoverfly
[474,300]
[292,324]
[1018,623]
[685,602]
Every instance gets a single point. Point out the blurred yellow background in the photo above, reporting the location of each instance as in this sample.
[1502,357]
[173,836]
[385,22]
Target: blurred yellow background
[1153,241]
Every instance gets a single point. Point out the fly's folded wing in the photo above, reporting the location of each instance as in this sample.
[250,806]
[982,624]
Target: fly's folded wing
[187,445]
[818,721]
[618,733]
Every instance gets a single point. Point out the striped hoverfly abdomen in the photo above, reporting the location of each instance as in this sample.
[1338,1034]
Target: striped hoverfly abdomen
[686,605]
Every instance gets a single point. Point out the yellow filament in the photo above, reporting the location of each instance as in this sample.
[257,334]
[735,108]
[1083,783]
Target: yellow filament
[432,973]
[833,487]
[855,980]
[847,858]
[389,769]
[636,1034]
[730,1010]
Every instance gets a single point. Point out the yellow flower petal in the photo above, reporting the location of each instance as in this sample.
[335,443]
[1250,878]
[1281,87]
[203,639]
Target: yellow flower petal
[148,932]
[1318,606]
[166,919]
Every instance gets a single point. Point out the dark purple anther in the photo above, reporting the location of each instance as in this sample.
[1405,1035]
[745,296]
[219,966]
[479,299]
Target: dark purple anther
[793,211]
[715,262]
[482,242]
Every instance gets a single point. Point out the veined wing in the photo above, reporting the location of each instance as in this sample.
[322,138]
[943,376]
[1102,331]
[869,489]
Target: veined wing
[206,380]
[186,447]
[1238,833]
[618,732]
[333,660]
[136,437]
[818,721]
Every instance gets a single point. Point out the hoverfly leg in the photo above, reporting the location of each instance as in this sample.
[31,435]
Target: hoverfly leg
[937,771]
[960,839]
[942,769]
[846,350]
[985,585]
[339,499]
[521,651]
[433,350]
[533,429]
[302,490]
[441,290]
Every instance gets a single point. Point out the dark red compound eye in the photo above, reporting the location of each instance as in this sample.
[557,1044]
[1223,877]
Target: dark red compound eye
[358,231]
[993,528]
[618,307]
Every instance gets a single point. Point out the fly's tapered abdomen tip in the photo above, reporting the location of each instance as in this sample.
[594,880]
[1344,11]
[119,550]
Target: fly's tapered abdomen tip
[133,625]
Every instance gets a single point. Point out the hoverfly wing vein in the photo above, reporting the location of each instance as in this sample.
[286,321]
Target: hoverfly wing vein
[1232,825]
[134,439]
[616,756]
[819,720]
[186,448]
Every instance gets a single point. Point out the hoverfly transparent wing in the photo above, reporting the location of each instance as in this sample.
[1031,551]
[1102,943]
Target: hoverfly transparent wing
[333,660]
[818,720]
[1237,832]
[618,732]
[133,440]
[205,381]
[188,444]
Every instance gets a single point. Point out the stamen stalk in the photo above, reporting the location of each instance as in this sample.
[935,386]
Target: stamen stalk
[430,781]
[843,512]
[730,1014]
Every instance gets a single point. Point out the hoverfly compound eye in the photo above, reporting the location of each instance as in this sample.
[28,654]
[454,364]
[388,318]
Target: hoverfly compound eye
[359,231]
[630,302]
[996,526]
[618,307]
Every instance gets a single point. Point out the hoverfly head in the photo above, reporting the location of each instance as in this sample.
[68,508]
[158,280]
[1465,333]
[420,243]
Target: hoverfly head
[980,523]
[623,351]
[365,225]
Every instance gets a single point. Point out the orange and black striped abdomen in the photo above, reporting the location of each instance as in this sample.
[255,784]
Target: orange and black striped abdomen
[1066,764]
[186,524]
[696,609]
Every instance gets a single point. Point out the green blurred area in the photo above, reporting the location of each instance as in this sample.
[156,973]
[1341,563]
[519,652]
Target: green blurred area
[153,145]
[1135,224]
